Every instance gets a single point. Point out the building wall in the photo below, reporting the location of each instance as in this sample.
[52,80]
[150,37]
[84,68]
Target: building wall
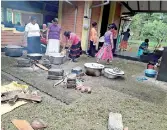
[68,15]
[10,37]
[96,12]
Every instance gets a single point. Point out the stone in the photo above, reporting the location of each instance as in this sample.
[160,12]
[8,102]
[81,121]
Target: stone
[115,121]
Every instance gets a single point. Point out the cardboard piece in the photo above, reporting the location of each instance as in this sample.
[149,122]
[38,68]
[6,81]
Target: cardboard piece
[5,107]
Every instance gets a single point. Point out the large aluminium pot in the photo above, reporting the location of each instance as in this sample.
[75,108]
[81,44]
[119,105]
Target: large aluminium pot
[13,51]
[93,69]
[56,58]
[35,56]
[113,73]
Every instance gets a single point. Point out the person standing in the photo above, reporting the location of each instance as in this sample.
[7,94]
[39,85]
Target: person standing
[32,33]
[53,37]
[74,45]
[105,53]
[93,40]
[124,42]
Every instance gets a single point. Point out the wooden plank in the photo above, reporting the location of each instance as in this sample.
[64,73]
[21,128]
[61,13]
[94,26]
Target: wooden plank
[22,124]
[42,67]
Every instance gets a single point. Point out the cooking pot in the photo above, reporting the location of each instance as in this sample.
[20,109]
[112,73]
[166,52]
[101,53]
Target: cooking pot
[93,69]
[35,56]
[13,51]
[56,58]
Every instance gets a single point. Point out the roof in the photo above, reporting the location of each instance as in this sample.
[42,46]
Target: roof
[34,6]
[132,7]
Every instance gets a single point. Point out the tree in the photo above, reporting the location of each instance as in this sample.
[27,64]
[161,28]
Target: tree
[149,25]
[156,30]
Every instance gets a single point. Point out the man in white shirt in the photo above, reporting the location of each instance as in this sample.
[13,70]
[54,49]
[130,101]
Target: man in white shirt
[32,33]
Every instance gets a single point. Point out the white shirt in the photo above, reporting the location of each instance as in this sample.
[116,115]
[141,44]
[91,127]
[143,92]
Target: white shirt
[32,30]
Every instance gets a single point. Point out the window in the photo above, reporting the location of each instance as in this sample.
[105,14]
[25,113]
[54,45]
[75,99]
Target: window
[2,15]
[17,17]
[9,15]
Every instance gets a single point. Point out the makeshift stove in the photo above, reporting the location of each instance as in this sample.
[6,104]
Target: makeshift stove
[55,74]
[45,63]
[27,62]
[22,62]
[71,81]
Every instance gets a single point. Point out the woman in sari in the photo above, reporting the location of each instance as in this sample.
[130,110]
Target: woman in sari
[105,53]
[74,45]
[32,33]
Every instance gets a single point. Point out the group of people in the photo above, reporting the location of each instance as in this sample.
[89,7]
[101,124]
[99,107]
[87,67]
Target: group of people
[32,34]
[110,42]
[72,42]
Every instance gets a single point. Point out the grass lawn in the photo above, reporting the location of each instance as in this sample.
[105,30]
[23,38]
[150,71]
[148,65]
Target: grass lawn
[151,43]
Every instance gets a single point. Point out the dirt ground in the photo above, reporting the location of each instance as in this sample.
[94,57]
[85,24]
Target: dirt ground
[142,105]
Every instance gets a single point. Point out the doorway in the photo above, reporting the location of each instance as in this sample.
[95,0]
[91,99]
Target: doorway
[105,18]
[104,23]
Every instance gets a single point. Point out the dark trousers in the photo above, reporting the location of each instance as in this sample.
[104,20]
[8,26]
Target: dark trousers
[92,49]
[115,46]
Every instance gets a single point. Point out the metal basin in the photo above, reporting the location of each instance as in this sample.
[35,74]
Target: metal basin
[112,74]
[56,58]
[93,69]
[35,56]
[13,51]
[150,73]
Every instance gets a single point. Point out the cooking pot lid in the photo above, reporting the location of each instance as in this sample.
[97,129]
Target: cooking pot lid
[94,65]
[56,55]
[35,54]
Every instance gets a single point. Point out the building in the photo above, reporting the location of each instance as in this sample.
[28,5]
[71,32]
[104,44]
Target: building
[74,16]
[77,16]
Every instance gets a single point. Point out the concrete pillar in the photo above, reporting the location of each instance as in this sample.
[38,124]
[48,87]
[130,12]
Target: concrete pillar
[86,21]
[60,12]
[112,12]
[100,19]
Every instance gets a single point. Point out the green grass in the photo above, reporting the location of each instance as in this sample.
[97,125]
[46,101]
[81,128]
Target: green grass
[151,43]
